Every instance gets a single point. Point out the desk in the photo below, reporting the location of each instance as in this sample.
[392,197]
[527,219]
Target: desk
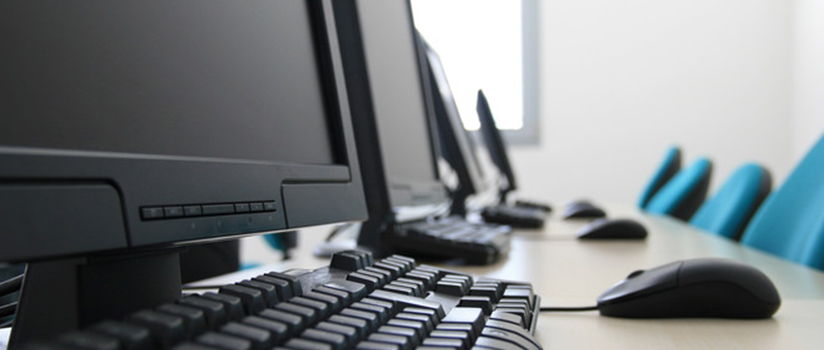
[568,272]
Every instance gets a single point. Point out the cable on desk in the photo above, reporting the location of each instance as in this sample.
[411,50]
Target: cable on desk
[569,309]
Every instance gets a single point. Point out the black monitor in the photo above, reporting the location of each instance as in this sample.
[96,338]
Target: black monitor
[458,145]
[495,145]
[385,63]
[131,129]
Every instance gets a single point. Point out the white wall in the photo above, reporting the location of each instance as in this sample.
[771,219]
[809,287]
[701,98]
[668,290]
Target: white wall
[622,80]
[808,66]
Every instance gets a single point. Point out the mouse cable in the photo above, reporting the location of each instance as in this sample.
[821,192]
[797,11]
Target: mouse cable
[569,309]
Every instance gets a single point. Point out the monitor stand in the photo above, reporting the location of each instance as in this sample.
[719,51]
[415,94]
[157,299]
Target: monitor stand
[69,294]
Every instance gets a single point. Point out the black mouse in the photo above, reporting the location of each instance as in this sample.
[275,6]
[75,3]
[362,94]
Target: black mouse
[583,210]
[613,229]
[716,288]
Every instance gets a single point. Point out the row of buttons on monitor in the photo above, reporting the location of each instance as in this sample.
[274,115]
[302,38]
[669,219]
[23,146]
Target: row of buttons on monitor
[179,211]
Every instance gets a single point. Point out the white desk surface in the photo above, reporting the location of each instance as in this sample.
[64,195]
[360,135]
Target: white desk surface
[568,272]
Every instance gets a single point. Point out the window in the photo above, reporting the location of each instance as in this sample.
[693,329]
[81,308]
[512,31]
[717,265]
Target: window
[489,45]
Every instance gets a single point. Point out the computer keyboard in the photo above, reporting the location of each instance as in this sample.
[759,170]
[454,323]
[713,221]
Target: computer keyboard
[533,205]
[354,303]
[514,216]
[450,238]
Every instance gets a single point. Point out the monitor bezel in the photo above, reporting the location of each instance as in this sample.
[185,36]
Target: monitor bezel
[303,194]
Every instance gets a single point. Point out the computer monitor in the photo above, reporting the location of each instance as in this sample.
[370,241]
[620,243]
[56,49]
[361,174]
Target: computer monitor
[495,145]
[131,129]
[385,64]
[458,146]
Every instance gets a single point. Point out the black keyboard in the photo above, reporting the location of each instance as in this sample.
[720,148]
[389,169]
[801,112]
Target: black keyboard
[514,216]
[450,238]
[533,205]
[354,303]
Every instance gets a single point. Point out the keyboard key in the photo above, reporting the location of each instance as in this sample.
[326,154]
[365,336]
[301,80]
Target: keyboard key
[282,287]
[371,282]
[404,301]
[408,333]
[232,304]
[90,341]
[323,310]
[423,319]
[354,289]
[222,341]
[131,337]
[390,307]
[194,320]
[371,319]
[381,312]
[450,288]
[308,315]
[294,322]
[462,338]
[402,342]
[333,303]
[417,326]
[344,298]
[349,333]
[303,344]
[400,289]
[507,336]
[165,329]
[513,329]
[337,341]
[277,330]
[360,325]
[467,315]
[294,282]
[346,260]
[259,338]
[213,311]
[477,301]
[270,293]
[370,345]
[444,343]
[504,316]
[251,298]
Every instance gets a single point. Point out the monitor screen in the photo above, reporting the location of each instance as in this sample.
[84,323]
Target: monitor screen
[133,128]
[458,145]
[400,102]
[495,144]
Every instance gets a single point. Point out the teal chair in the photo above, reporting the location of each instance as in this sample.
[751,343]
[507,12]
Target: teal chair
[731,208]
[669,167]
[683,194]
[790,224]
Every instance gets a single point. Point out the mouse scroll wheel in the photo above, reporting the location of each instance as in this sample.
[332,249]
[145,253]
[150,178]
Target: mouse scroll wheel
[635,273]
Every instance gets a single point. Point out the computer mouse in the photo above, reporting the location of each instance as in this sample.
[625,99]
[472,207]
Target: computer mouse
[716,288]
[583,210]
[613,229]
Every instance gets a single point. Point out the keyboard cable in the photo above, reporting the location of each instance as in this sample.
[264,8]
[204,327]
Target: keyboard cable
[569,309]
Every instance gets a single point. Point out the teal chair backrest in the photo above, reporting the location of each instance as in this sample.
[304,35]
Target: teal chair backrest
[733,205]
[790,223]
[683,194]
[668,168]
